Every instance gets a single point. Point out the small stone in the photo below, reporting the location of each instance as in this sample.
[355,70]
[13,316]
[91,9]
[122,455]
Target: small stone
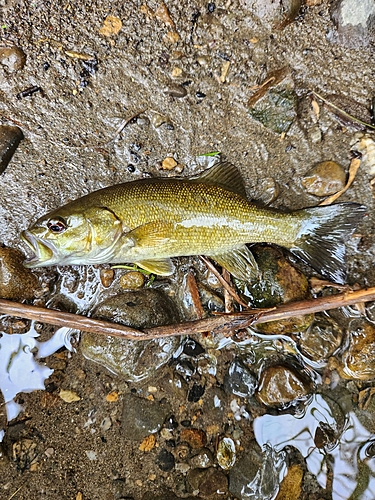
[142,417]
[16,282]
[69,396]
[132,280]
[182,468]
[148,443]
[112,397]
[106,424]
[157,120]
[202,460]
[169,163]
[290,487]
[177,72]
[359,360]
[324,179]
[192,348]
[208,482]
[226,453]
[196,438]
[107,277]
[10,137]
[321,339]
[239,380]
[111,26]
[254,472]
[195,393]
[215,404]
[165,461]
[175,90]
[13,58]
[268,190]
[280,385]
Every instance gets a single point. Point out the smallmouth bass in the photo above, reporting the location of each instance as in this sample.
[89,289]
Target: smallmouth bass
[148,221]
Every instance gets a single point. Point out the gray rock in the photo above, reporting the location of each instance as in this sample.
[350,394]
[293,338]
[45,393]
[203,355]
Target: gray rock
[134,361]
[355,22]
[239,380]
[253,476]
[142,417]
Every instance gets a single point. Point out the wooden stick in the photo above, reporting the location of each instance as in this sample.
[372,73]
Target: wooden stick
[224,323]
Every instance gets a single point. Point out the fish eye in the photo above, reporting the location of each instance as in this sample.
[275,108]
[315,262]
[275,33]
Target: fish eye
[57,225]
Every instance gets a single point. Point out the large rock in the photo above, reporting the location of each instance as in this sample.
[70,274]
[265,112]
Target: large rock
[134,361]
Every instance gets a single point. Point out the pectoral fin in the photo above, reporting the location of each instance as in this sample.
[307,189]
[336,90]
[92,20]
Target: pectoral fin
[239,262]
[152,234]
[161,267]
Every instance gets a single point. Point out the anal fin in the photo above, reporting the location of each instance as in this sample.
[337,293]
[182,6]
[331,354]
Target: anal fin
[239,262]
[161,267]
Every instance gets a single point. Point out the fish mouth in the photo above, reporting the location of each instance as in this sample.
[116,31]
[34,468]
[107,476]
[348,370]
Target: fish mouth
[42,253]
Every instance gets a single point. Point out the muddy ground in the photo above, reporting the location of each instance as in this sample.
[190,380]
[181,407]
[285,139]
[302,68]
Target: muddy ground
[72,146]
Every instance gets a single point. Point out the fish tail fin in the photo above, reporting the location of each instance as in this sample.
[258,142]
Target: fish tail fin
[322,236]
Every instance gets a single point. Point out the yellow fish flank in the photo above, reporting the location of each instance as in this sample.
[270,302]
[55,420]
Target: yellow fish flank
[151,220]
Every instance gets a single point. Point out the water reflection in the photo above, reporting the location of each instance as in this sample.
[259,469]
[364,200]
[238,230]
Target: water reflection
[347,452]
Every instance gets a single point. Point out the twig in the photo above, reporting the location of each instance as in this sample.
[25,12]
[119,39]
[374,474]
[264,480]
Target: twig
[223,282]
[224,323]
[194,292]
[227,297]
[121,127]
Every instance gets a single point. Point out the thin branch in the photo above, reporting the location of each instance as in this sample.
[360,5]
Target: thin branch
[223,282]
[224,323]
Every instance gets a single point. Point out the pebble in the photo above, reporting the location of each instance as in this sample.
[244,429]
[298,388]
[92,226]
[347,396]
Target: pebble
[275,14]
[226,453]
[132,280]
[215,404]
[280,385]
[355,22]
[13,58]
[134,361]
[157,120]
[324,179]
[175,90]
[165,461]
[107,277]
[142,417]
[321,339]
[173,385]
[195,438]
[195,393]
[16,282]
[269,191]
[254,472]
[169,163]
[202,460]
[239,380]
[359,360]
[208,482]
[10,137]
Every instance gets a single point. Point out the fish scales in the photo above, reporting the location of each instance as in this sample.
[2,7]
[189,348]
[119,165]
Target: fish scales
[151,220]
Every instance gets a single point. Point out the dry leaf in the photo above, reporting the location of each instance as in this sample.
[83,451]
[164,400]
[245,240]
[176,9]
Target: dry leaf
[353,169]
[111,26]
[148,443]
[272,79]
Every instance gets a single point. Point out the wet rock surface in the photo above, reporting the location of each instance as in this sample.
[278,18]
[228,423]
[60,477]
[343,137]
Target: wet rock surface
[16,282]
[109,92]
[325,178]
[12,58]
[280,385]
[139,309]
[355,22]
[10,137]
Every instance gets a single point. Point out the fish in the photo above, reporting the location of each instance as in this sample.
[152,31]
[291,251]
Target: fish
[149,221]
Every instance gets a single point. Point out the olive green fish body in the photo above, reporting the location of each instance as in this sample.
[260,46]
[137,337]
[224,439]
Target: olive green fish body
[148,221]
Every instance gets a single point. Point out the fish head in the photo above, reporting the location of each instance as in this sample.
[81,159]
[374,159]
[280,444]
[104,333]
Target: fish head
[73,236]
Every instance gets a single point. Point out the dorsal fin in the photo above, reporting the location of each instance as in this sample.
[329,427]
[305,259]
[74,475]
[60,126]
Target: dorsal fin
[225,175]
